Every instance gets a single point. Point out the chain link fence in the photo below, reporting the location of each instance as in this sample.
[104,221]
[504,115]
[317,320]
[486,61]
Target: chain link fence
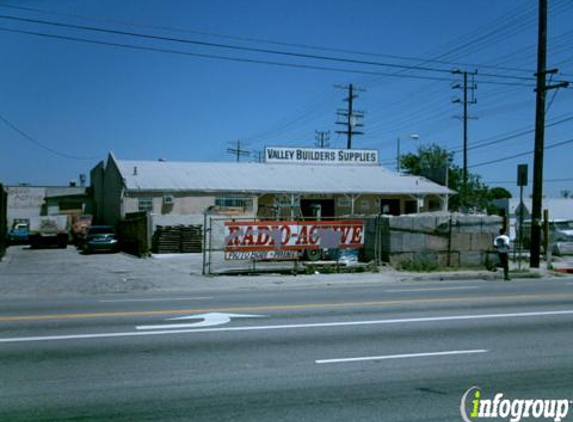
[249,245]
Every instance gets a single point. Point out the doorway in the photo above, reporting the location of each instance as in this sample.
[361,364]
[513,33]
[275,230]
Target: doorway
[317,208]
[390,206]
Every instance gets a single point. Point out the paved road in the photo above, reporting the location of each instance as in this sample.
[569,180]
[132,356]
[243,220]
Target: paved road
[403,352]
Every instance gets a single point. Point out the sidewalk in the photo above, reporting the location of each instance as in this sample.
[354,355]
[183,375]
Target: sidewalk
[65,272]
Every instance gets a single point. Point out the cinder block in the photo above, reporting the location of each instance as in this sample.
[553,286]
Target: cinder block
[481,241]
[471,259]
[492,224]
[392,243]
[424,223]
[470,224]
[453,261]
[461,242]
[436,243]
[403,222]
[413,242]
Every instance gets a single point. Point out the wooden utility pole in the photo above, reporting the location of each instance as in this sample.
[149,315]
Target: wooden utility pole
[465,117]
[238,151]
[322,139]
[349,117]
[541,90]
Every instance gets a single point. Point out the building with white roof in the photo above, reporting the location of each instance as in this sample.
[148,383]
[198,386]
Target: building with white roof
[174,189]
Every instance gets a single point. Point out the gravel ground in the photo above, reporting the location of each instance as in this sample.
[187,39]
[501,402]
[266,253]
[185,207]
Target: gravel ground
[26,272]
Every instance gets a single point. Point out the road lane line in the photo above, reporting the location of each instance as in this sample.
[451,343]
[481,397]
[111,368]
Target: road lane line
[262,309]
[432,289]
[405,356]
[165,299]
[286,326]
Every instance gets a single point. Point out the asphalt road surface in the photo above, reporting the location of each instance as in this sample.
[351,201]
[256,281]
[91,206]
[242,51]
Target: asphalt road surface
[376,353]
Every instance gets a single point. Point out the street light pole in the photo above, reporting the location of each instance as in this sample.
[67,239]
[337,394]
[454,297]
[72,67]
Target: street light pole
[398,155]
[414,136]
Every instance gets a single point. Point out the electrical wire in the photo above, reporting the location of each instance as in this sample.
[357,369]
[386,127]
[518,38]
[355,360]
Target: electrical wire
[214,56]
[255,40]
[499,160]
[42,145]
[251,49]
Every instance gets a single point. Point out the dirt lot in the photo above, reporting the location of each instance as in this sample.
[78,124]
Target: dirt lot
[26,272]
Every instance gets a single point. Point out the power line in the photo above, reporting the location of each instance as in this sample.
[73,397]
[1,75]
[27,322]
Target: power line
[499,160]
[504,138]
[219,57]
[42,145]
[248,49]
[220,45]
[257,40]
[508,182]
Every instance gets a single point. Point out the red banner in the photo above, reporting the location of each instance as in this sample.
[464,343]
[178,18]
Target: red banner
[248,236]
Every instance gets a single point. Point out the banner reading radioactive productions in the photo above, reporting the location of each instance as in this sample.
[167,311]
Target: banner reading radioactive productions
[285,239]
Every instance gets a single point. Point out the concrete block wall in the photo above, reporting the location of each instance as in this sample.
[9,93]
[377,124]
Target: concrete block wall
[457,239]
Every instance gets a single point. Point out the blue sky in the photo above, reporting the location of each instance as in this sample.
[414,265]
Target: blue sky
[80,100]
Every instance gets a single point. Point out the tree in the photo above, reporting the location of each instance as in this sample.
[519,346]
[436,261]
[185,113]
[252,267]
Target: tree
[499,193]
[437,164]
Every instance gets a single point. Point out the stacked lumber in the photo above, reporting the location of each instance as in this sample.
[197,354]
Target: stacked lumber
[177,239]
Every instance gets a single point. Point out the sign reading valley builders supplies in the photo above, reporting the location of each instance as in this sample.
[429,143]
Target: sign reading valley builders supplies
[274,155]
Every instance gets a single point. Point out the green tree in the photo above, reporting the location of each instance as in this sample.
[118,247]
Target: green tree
[437,164]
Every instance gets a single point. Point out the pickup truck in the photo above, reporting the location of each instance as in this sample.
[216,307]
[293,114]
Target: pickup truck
[18,234]
[49,231]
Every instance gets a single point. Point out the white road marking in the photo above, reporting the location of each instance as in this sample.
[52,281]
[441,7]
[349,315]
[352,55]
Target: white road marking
[209,320]
[432,289]
[287,326]
[163,299]
[406,356]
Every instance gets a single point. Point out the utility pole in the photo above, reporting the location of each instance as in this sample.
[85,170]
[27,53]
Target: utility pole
[465,102]
[541,90]
[349,117]
[238,151]
[258,156]
[322,139]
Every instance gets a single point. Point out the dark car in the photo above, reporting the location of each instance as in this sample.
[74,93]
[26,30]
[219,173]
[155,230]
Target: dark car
[19,234]
[101,239]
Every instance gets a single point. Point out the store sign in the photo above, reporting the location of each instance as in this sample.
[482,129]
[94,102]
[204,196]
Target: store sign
[246,238]
[275,155]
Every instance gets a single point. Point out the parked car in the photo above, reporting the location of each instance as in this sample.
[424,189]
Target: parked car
[19,234]
[101,239]
[560,232]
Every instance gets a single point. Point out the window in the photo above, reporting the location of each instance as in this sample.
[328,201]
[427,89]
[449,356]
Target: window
[145,204]
[233,202]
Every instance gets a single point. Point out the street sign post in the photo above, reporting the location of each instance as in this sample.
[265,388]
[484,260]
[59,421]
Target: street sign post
[521,182]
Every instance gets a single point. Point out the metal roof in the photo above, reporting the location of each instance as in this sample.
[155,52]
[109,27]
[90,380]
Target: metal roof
[166,176]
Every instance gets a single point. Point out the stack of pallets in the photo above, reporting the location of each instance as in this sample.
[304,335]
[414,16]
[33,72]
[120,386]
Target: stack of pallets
[177,239]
